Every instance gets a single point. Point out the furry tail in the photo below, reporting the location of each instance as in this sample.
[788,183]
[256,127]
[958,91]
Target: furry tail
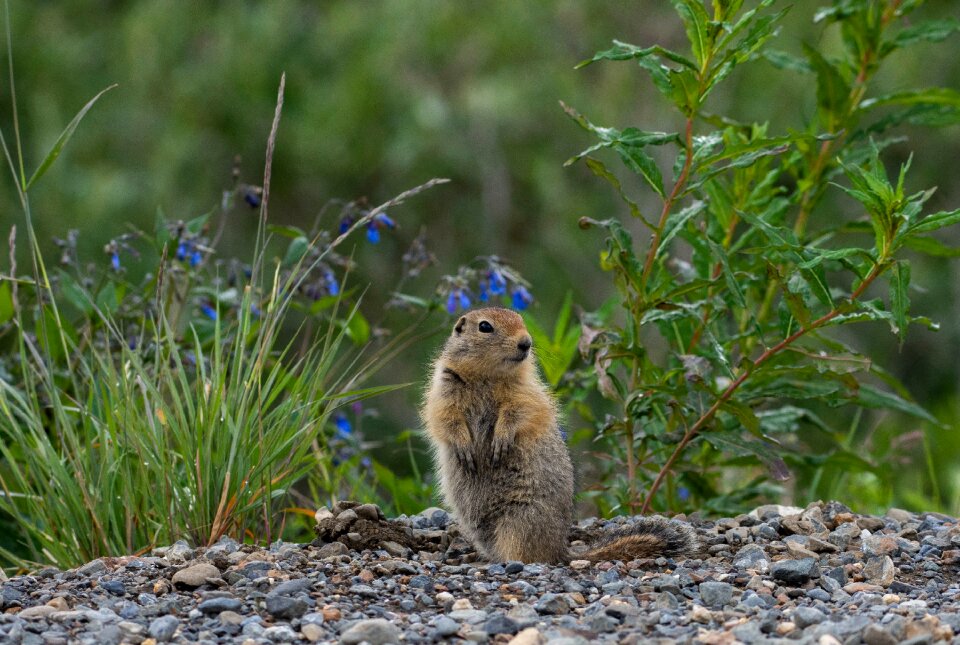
[647,538]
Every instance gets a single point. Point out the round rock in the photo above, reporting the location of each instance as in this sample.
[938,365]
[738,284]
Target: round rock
[375,631]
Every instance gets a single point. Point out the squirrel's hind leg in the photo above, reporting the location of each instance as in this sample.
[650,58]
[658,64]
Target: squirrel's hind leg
[525,534]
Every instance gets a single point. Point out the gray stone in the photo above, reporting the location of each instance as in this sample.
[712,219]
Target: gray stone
[163,628]
[196,575]
[281,634]
[375,631]
[715,594]
[291,587]
[94,568]
[332,549]
[878,635]
[750,557]
[216,605]
[286,606]
[445,627]
[113,586]
[179,552]
[551,603]
[795,572]
[806,616]
[500,623]
[879,570]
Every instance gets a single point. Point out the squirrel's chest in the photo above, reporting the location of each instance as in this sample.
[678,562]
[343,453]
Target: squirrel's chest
[481,415]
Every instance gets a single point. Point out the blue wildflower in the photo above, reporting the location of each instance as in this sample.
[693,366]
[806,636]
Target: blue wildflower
[521,298]
[255,310]
[208,311]
[373,233]
[115,261]
[357,407]
[484,296]
[498,284]
[464,300]
[382,219]
[345,224]
[365,462]
[344,427]
[563,434]
[251,195]
[330,280]
[452,302]
[683,493]
[182,250]
[196,258]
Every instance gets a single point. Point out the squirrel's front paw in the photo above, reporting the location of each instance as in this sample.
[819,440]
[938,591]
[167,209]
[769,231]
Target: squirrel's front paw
[464,455]
[501,444]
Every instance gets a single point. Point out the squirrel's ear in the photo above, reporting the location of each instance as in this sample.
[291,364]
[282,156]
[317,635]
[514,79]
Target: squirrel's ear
[460,324]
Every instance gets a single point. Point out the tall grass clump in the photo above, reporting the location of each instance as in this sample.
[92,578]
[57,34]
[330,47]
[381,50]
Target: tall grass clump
[188,405]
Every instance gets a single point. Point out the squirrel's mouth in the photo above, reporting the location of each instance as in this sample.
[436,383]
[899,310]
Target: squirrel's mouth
[520,357]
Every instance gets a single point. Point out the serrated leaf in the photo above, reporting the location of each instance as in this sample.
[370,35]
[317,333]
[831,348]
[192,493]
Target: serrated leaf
[695,21]
[935,222]
[734,444]
[932,246]
[625,51]
[833,91]
[932,31]
[783,60]
[899,298]
[926,96]
[872,397]
[643,164]
[62,140]
[598,168]
[676,222]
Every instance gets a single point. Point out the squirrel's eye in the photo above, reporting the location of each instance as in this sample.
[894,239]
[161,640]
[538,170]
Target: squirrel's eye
[485,327]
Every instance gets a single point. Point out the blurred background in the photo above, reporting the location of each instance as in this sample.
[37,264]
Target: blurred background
[382,96]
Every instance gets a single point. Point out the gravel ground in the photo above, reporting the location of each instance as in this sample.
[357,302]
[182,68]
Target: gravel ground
[816,575]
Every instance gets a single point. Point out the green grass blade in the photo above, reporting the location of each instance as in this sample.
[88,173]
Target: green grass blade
[62,140]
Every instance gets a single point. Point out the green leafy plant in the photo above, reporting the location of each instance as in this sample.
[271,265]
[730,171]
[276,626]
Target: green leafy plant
[725,353]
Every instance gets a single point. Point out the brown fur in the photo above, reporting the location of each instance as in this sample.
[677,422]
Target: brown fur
[504,468]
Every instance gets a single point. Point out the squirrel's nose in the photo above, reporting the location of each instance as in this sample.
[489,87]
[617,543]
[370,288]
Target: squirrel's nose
[525,344]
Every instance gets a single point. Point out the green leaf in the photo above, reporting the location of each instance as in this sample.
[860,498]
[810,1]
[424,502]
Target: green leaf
[626,51]
[932,31]
[872,397]
[932,246]
[6,302]
[676,222]
[291,232]
[935,222]
[733,443]
[296,250]
[695,21]
[643,164]
[899,298]
[62,140]
[600,170]
[783,60]
[926,96]
[358,329]
[833,91]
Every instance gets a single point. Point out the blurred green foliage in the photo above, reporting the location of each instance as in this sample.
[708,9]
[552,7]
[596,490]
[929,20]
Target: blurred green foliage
[383,95]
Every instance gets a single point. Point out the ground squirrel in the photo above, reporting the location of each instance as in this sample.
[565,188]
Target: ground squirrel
[504,468]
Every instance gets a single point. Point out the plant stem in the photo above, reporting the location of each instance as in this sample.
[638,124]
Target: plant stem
[668,206]
[769,353]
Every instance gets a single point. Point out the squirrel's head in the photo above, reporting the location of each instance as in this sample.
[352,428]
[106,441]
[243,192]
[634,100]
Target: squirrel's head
[489,342]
